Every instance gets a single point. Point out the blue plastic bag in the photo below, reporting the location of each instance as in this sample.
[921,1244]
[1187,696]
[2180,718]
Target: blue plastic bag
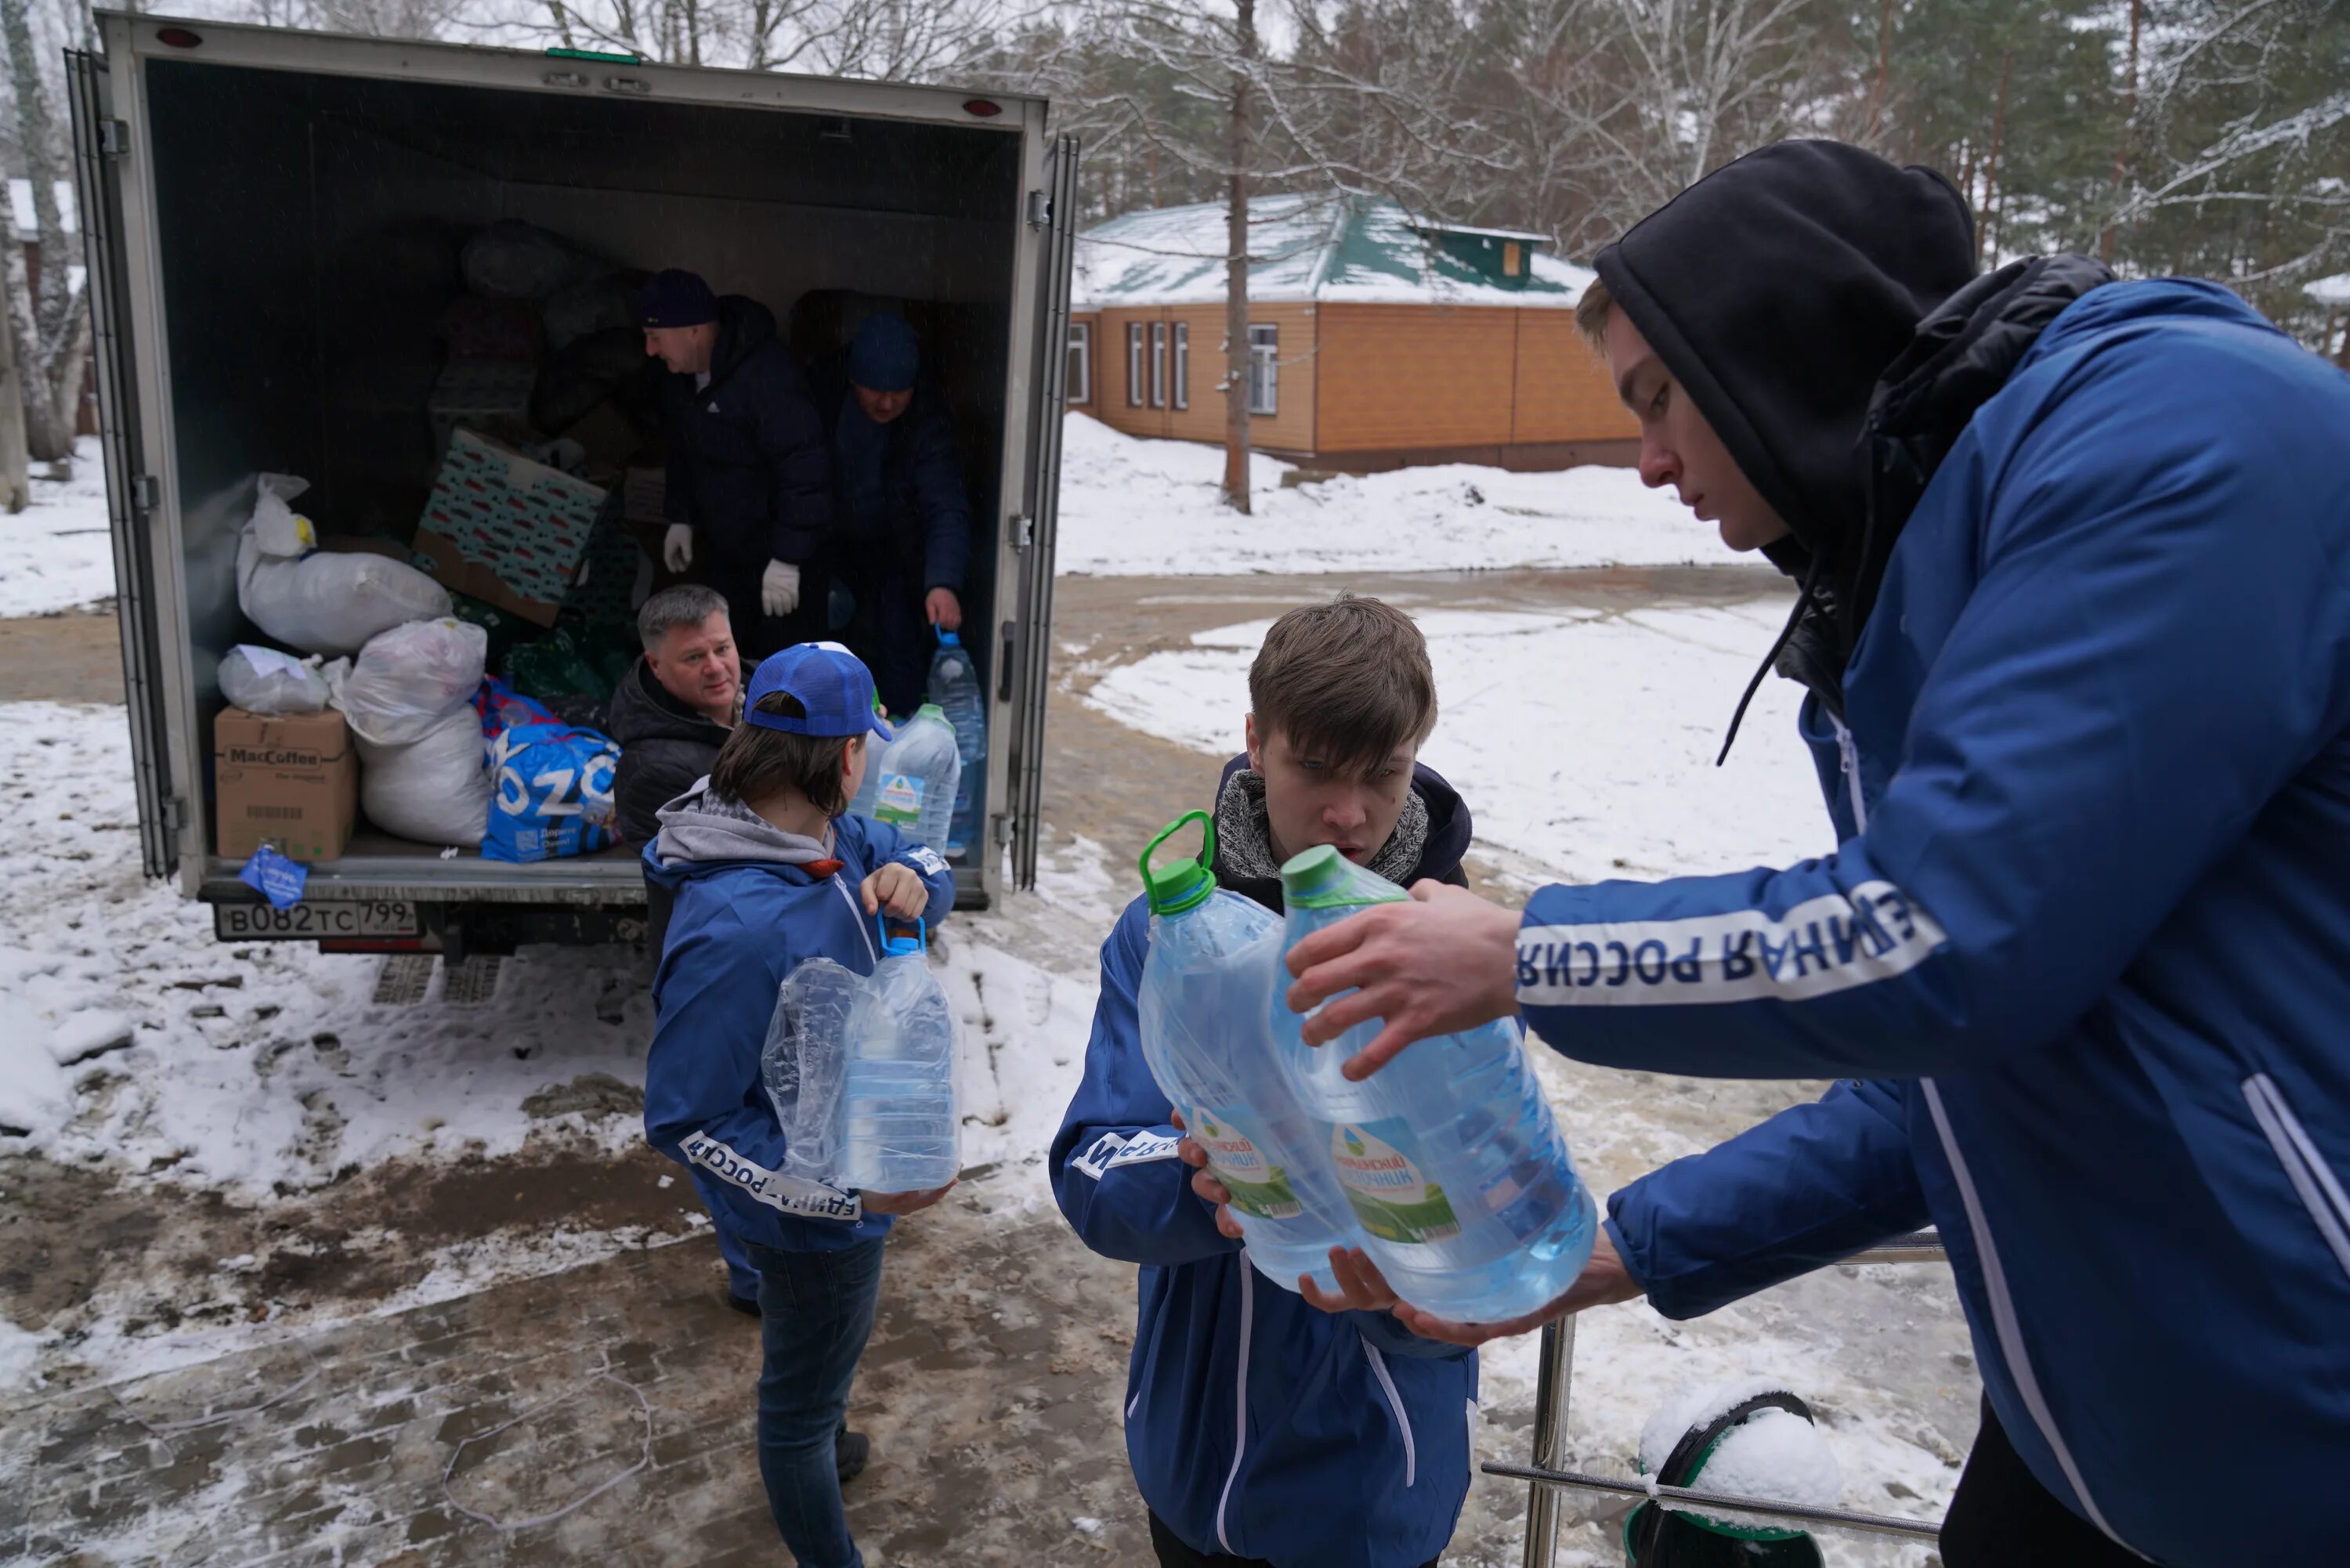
[551,794]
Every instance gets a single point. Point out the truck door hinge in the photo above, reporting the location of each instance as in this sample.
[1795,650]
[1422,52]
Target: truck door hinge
[114,137]
[175,813]
[146,493]
[1040,208]
[1002,831]
[1023,531]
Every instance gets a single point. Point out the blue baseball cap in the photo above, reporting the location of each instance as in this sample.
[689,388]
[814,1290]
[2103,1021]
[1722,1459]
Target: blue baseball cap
[831,686]
[676,299]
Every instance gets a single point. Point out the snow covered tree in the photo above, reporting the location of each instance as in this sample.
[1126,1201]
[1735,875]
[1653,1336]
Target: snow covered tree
[48,318]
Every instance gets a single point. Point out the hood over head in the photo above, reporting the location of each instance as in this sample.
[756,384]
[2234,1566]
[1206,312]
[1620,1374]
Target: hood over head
[1777,290]
[699,829]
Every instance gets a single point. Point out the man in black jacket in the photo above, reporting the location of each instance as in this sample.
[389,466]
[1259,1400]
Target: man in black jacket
[749,494]
[676,707]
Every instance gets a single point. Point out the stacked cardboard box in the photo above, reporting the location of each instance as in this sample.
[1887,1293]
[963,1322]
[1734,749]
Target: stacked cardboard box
[292,783]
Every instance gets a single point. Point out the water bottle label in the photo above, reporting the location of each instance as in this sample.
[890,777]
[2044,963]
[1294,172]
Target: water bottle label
[1379,1165]
[900,803]
[1260,1188]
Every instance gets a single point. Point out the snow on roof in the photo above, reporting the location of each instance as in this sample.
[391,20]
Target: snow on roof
[2330,291]
[20,199]
[1337,249]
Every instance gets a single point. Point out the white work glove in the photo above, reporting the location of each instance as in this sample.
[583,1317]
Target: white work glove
[779,588]
[677,546]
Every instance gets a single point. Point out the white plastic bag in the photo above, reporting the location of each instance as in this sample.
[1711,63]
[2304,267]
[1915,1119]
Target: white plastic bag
[264,681]
[314,600]
[433,789]
[406,679]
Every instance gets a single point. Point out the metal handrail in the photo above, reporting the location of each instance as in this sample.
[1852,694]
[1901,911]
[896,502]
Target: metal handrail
[1554,1384]
[1727,1503]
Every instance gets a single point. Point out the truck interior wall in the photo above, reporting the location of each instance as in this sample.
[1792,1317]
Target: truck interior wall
[309,228]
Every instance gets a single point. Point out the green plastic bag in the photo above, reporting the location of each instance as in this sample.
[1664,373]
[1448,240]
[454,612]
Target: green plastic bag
[504,630]
[553,668]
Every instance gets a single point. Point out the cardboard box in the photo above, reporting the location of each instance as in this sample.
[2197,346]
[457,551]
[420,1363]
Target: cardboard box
[485,394]
[504,529]
[290,783]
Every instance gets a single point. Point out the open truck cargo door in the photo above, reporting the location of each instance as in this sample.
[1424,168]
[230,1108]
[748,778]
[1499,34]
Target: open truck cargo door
[134,500]
[1027,664]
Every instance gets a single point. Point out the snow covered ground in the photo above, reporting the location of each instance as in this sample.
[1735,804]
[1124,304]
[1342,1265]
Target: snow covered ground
[1134,507]
[1582,739]
[55,555]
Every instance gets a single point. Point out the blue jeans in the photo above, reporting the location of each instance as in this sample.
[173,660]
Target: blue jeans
[742,1279]
[816,1311]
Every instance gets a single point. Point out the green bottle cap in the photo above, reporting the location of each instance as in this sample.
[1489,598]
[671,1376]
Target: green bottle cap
[1322,878]
[1180,884]
[933,711]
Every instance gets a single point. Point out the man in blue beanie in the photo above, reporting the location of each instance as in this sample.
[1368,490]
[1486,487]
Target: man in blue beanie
[904,523]
[749,492]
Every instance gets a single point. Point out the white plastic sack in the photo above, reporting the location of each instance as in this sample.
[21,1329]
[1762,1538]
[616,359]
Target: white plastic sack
[434,789]
[317,601]
[406,680]
[264,681]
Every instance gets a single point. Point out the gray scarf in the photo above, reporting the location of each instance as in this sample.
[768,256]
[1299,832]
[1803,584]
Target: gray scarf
[1244,837]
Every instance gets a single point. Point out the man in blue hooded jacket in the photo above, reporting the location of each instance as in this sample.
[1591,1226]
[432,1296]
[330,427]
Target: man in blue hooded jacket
[2075,618]
[766,870]
[1266,1434]
[903,520]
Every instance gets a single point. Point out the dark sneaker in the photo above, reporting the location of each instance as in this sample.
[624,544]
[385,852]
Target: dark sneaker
[850,1452]
[747,1305]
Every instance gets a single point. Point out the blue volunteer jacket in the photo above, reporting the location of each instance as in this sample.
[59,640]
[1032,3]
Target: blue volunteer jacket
[740,925]
[1257,1426]
[2084,944]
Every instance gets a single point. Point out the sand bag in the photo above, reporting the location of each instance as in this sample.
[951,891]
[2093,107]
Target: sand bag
[315,601]
[406,680]
[433,789]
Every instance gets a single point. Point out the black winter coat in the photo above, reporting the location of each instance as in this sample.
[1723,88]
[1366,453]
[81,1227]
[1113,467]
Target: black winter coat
[665,746]
[923,528]
[747,461]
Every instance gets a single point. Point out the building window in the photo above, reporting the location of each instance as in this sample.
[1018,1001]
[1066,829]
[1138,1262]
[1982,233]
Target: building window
[1183,364]
[1134,365]
[1264,370]
[1159,364]
[1079,386]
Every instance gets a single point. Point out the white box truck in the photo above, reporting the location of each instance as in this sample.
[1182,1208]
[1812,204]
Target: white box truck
[267,213]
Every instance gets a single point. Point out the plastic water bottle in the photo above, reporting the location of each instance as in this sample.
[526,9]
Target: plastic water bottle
[1203,1007]
[899,1132]
[1466,1194]
[868,789]
[918,773]
[955,687]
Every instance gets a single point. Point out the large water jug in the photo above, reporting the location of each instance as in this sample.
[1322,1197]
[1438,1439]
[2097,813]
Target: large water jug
[955,687]
[1466,1194]
[868,789]
[919,770]
[1204,1024]
[899,1132]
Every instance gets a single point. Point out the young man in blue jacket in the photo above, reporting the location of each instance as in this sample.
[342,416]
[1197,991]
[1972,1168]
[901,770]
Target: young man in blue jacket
[2074,620]
[767,870]
[1260,1430]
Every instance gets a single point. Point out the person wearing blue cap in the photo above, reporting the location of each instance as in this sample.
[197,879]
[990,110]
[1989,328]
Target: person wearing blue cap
[767,869]
[902,518]
[749,494]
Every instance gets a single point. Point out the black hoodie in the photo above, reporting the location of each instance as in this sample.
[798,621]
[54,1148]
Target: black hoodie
[748,465]
[1820,306]
[665,746]
[1449,832]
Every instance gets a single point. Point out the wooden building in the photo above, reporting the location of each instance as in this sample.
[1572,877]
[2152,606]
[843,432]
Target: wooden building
[1376,340]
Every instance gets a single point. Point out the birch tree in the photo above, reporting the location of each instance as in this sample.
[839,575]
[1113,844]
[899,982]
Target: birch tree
[48,318]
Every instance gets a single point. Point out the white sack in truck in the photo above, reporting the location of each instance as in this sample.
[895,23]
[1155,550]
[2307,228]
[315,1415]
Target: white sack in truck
[406,680]
[433,789]
[317,601]
[267,681]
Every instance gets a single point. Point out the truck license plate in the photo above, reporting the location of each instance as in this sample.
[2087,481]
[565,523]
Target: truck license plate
[259,922]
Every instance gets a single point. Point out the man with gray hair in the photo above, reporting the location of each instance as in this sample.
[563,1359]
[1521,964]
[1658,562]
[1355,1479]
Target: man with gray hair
[675,708]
